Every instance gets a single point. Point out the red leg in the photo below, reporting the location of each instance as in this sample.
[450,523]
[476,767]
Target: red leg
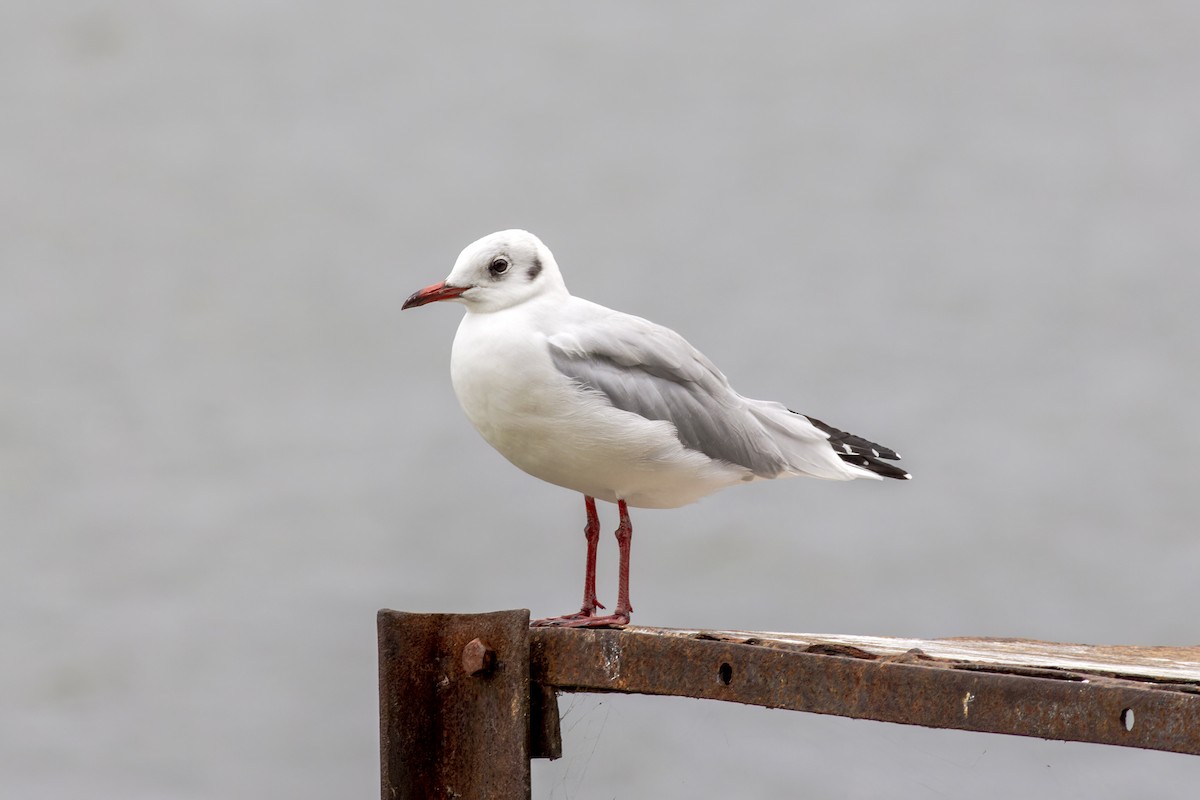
[620,616]
[624,539]
[592,532]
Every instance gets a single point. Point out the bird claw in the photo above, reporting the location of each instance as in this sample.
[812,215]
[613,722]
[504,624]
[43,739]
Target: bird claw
[582,620]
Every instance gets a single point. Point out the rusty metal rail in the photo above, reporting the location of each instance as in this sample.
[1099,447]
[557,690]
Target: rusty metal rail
[467,700]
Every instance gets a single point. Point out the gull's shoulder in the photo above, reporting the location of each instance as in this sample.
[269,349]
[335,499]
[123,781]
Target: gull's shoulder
[587,329]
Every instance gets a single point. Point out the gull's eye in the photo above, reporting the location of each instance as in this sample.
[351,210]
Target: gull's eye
[499,265]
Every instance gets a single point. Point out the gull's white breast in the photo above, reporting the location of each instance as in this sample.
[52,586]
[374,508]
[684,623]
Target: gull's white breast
[550,427]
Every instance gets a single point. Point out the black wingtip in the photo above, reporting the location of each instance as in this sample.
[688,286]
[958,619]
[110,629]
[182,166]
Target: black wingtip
[861,452]
[880,468]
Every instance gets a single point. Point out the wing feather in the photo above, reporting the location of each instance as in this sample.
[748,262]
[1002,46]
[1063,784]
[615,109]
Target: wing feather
[652,371]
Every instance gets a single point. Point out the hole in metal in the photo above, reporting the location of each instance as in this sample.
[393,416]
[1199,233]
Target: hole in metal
[1127,719]
[725,673]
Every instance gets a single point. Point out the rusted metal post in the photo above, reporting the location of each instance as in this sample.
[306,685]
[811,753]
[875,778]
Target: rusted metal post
[454,705]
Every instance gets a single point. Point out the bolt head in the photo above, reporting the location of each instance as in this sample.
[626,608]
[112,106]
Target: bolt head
[478,659]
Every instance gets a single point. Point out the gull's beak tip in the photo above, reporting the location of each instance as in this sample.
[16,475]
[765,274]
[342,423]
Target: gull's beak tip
[432,294]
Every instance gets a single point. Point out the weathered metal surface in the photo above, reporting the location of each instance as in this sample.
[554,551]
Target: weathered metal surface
[467,700]
[1178,664]
[454,720]
[545,726]
[911,687]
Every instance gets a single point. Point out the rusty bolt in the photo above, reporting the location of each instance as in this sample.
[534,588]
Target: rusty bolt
[478,659]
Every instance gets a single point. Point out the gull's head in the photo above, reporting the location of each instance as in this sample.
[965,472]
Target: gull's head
[499,271]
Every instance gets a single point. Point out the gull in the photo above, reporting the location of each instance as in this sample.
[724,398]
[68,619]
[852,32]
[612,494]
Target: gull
[614,406]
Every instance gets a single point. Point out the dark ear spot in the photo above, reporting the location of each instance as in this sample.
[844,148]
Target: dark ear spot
[536,269]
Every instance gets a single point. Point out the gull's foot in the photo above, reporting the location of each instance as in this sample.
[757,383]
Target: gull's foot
[587,612]
[582,620]
[552,622]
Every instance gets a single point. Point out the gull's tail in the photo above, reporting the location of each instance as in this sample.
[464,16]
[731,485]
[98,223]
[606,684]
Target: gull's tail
[861,452]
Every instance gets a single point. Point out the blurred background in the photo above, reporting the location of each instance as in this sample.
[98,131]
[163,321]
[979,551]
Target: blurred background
[966,231]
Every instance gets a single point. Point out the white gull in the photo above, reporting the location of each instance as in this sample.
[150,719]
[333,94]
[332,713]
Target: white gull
[614,406]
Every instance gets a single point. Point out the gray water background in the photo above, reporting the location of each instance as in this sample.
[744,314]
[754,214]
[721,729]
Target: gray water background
[966,230]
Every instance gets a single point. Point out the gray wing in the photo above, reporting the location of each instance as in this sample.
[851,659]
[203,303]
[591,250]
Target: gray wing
[652,371]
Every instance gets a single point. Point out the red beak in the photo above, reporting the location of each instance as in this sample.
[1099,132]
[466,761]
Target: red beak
[431,294]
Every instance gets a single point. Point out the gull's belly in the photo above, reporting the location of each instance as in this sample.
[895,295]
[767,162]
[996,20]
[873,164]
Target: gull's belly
[551,428]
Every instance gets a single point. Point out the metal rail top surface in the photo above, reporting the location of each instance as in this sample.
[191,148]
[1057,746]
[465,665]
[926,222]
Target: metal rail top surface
[1168,663]
[1145,697]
